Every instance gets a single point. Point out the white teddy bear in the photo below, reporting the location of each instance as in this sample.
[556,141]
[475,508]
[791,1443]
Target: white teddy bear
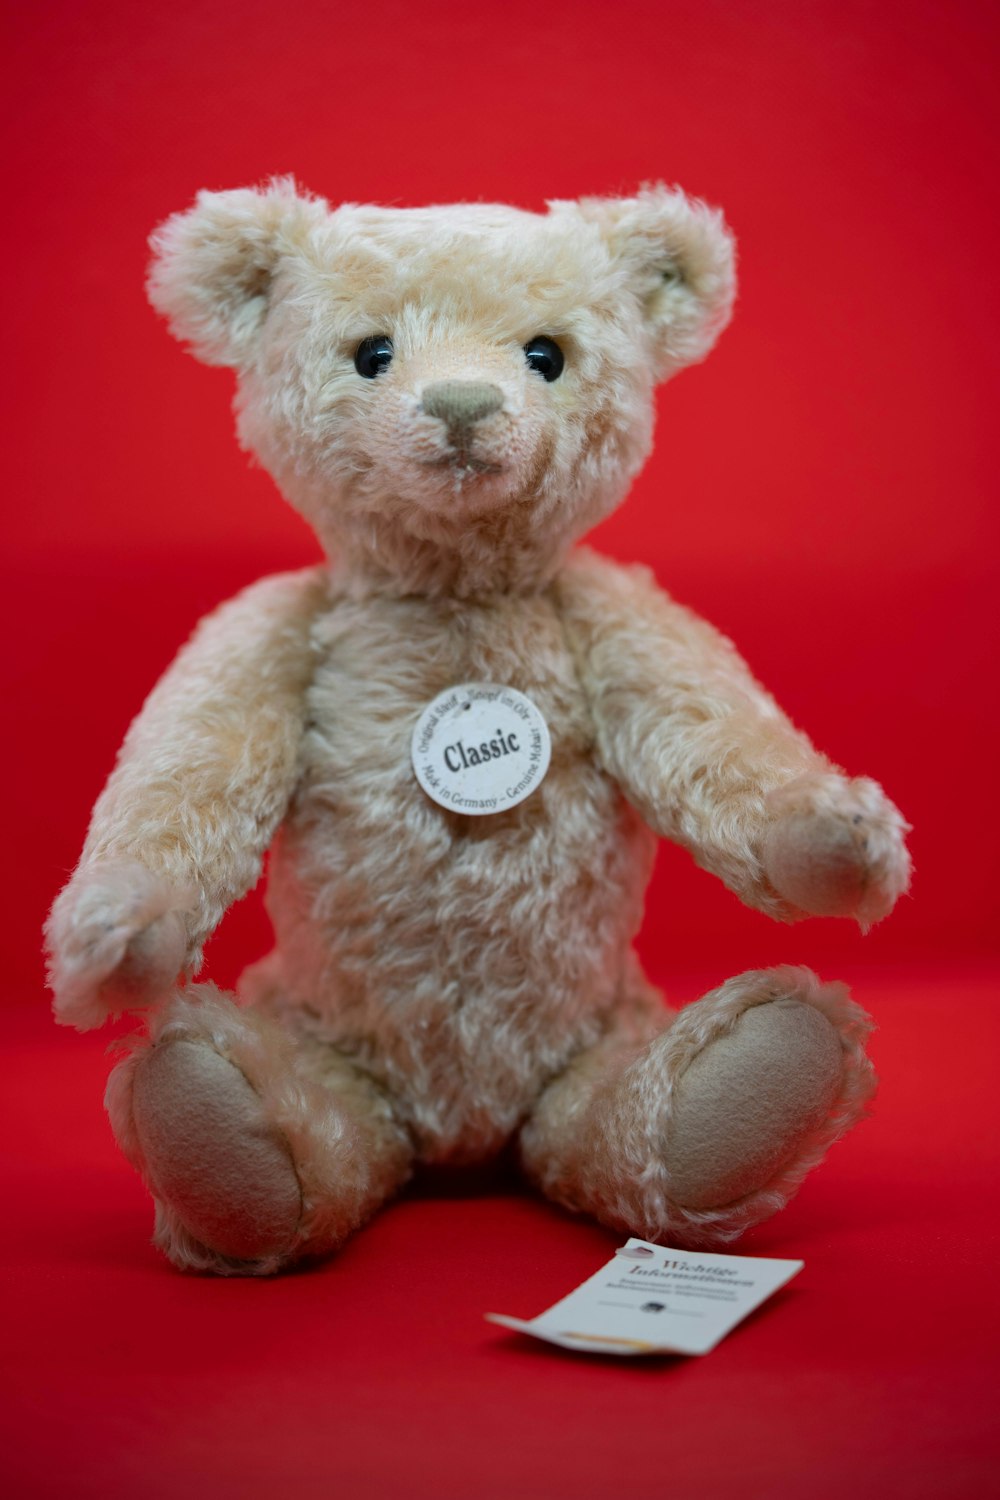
[452,397]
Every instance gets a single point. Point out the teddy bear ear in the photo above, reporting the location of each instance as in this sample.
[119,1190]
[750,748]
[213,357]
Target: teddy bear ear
[680,258]
[212,265]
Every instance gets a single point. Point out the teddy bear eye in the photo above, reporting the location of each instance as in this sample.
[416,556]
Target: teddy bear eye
[373,355]
[545,356]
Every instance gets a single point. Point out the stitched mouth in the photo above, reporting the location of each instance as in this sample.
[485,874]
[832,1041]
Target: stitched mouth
[464,463]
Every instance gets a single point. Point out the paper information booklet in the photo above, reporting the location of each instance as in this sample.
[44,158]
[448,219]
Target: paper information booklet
[649,1299]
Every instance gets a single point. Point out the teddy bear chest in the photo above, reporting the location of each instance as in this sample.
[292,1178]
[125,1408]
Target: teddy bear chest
[380,663]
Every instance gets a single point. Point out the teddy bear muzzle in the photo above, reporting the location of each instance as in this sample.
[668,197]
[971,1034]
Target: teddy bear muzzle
[462,405]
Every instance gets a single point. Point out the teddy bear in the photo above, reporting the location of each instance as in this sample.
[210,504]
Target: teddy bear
[457,742]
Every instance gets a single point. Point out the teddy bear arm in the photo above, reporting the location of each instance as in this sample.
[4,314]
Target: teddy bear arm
[711,762]
[201,783]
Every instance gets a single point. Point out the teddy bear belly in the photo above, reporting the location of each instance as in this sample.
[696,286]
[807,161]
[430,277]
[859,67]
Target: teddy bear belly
[460,961]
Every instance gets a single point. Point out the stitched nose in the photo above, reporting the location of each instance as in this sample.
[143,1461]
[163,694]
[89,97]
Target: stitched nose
[460,403]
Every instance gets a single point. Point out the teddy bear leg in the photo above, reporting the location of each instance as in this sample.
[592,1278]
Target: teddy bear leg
[712,1126]
[258,1149]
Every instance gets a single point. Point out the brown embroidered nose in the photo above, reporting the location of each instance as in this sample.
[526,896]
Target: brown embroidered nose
[461,403]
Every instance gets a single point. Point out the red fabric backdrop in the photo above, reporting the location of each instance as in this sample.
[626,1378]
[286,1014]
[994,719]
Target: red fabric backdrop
[822,489]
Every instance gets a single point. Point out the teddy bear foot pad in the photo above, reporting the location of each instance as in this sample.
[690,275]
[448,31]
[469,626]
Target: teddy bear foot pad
[211,1155]
[713,1125]
[748,1099]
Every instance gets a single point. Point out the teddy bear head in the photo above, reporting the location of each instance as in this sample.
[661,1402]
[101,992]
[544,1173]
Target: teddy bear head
[452,395]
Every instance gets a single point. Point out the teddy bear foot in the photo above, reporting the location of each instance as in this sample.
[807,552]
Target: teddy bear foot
[258,1149]
[712,1126]
[183,1250]
[227,1191]
[745,1104]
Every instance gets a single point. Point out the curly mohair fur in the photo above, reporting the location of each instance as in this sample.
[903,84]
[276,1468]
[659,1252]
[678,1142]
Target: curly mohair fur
[442,983]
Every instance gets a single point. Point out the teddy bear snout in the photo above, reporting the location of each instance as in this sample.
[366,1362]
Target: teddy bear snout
[461,403]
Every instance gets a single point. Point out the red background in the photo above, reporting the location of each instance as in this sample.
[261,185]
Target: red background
[822,489]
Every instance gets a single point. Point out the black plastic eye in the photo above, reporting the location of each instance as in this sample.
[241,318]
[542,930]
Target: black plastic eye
[545,356]
[373,356]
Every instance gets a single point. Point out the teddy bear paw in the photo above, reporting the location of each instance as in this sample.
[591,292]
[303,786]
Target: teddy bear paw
[227,1192]
[116,940]
[836,848]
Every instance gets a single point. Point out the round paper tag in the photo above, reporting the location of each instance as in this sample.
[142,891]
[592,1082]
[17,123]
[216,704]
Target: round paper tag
[480,748]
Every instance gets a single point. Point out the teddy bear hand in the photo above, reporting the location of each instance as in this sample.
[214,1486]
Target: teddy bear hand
[835,848]
[117,940]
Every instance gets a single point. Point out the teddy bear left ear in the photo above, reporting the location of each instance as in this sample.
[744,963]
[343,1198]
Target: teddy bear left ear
[680,258]
[213,264]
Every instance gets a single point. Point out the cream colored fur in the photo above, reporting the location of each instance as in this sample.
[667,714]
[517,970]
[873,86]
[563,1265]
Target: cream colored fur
[442,983]
[602,1137]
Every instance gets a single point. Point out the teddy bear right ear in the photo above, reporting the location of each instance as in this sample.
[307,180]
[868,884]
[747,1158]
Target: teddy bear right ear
[680,259]
[213,264]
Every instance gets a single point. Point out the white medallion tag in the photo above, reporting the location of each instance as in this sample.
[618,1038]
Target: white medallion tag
[480,748]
